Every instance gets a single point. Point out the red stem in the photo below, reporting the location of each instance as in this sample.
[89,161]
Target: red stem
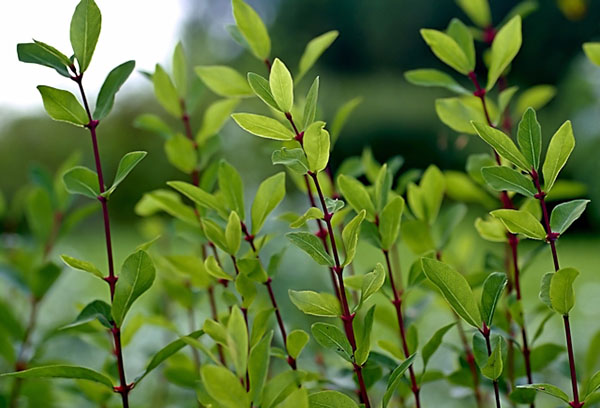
[397,302]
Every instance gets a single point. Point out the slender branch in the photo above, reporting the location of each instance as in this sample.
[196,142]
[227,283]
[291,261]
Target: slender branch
[486,334]
[397,302]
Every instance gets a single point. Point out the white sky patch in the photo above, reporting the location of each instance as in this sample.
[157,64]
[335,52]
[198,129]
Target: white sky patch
[143,30]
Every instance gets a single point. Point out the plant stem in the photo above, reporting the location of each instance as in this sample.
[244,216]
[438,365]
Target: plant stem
[486,334]
[551,238]
[111,279]
[397,302]
[470,358]
[250,239]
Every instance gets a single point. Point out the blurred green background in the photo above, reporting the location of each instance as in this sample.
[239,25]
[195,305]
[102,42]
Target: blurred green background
[379,40]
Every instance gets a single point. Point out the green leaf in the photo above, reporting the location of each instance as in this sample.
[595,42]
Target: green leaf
[356,195]
[454,288]
[294,159]
[332,338]
[314,49]
[330,399]
[592,386]
[547,389]
[383,185]
[317,146]
[447,50]
[258,367]
[297,399]
[269,194]
[196,194]
[565,214]
[153,123]
[295,342]
[224,81]
[502,178]
[40,213]
[502,144]
[310,106]
[82,265]
[214,233]
[592,51]
[434,343]
[310,244]
[180,70]
[261,88]
[43,54]
[477,10]
[560,148]
[372,282]
[316,304]
[395,379]
[463,37]
[165,92]
[341,117]
[364,341]
[81,180]
[505,47]
[521,222]
[97,309]
[232,187]
[281,85]
[458,112]
[493,286]
[350,235]
[311,214]
[126,165]
[113,82]
[223,386]
[435,78]
[237,340]
[263,126]
[63,371]
[136,277]
[85,30]
[535,97]
[544,294]
[432,188]
[493,368]
[529,137]
[233,233]
[181,153]
[252,29]
[504,98]
[214,118]
[562,296]
[63,106]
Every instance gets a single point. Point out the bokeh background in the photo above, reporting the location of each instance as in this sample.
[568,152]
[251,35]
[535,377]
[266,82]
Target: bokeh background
[379,40]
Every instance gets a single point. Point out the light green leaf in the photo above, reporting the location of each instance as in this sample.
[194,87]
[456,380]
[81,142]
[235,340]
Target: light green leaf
[153,123]
[252,29]
[458,112]
[81,180]
[560,148]
[214,118]
[356,195]
[82,265]
[372,282]
[310,106]
[502,178]
[261,88]
[181,153]
[434,343]
[562,296]
[350,235]
[294,159]
[477,10]
[165,92]
[97,309]
[63,371]
[180,70]
[447,50]
[136,277]
[395,379]
[502,144]
[505,47]
[281,85]
[529,137]
[463,37]
[196,194]
[493,286]
[436,78]
[223,386]
[455,289]
[330,399]
[317,146]
[224,81]
[85,30]
[363,348]
[297,399]
[565,214]
[263,126]
[313,51]
[258,367]
[547,389]
[269,194]
[535,97]
[233,233]
[214,233]
[592,51]
[113,82]
[521,222]
[493,368]
[237,340]
[491,229]
[63,106]
[295,342]
[432,187]
[332,338]
[39,212]
[232,187]
[544,294]
[126,165]
[310,244]
[316,304]
[341,117]
[44,54]
[311,214]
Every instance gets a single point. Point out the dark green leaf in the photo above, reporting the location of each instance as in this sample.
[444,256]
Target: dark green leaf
[85,30]
[493,287]
[63,106]
[565,214]
[529,137]
[310,244]
[330,337]
[63,371]
[502,178]
[81,180]
[113,82]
